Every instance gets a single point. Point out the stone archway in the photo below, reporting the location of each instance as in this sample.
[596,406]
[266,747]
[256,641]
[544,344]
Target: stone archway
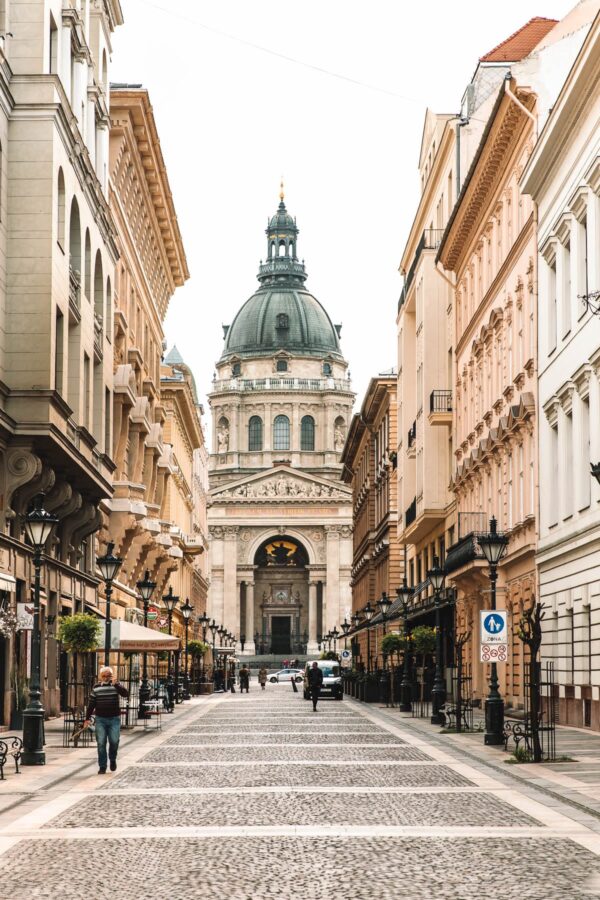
[281,595]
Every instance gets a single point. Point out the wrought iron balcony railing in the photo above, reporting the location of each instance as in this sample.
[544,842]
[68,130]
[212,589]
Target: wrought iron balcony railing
[412,435]
[411,513]
[430,240]
[440,401]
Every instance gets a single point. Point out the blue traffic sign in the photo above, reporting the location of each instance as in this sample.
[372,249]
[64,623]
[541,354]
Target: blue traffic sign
[494,623]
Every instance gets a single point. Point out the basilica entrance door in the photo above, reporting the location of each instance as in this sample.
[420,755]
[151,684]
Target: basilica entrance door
[281,634]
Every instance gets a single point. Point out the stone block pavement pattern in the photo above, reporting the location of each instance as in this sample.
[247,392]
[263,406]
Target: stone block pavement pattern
[258,797]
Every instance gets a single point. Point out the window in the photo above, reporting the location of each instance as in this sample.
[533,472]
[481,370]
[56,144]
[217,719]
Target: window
[59,350]
[307,433]
[326,369]
[53,47]
[282,365]
[236,369]
[60,211]
[566,289]
[553,467]
[87,265]
[566,464]
[584,467]
[552,306]
[509,493]
[255,433]
[281,433]
[582,264]
[283,320]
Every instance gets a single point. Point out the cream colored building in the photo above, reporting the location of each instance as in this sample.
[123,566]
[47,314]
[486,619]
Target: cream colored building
[563,179]
[58,253]
[280,518]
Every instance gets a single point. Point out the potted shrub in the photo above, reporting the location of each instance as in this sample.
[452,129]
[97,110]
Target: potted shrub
[423,638]
[197,651]
[20,685]
[79,633]
[371,688]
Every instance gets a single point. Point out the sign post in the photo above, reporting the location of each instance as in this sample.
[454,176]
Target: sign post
[494,635]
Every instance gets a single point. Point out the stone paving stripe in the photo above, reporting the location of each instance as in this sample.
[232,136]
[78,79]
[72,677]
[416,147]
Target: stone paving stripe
[277,739]
[288,753]
[311,868]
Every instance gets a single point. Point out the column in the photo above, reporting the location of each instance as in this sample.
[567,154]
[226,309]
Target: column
[249,648]
[312,617]
[231,598]
[332,591]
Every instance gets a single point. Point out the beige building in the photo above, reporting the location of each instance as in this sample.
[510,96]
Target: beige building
[57,261]
[370,461]
[280,518]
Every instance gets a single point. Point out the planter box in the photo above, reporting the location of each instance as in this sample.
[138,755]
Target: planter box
[16,720]
[206,687]
[371,693]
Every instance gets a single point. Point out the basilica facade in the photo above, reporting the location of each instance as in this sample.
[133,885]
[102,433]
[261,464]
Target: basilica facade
[280,517]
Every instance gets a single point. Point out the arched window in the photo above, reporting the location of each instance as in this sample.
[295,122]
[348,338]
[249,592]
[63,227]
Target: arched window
[87,263]
[99,288]
[75,241]
[281,433]
[236,369]
[307,433]
[60,210]
[255,433]
[326,369]
[109,311]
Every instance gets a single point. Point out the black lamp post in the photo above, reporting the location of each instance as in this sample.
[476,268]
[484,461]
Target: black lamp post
[170,601]
[436,576]
[146,588]
[335,634]
[368,612]
[384,604]
[405,594]
[493,546]
[355,619]
[109,565]
[345,628]
[186,611]
[38,527]
[203,621]
[213,630]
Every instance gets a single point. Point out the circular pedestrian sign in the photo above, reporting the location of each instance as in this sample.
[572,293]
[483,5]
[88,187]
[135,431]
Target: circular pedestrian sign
[152,613]
[493,623]
[346,654]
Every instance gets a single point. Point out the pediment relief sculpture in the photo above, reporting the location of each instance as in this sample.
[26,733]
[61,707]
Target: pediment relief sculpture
[283,486]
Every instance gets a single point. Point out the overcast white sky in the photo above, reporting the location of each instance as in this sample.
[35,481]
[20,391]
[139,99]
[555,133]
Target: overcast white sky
[232,119]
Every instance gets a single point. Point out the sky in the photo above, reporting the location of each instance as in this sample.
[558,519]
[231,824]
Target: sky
[329,94]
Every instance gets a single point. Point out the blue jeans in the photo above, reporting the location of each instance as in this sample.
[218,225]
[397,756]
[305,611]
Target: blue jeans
[107,728]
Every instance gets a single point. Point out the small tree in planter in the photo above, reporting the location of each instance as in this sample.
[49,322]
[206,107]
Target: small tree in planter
[393,645]
[80,634]
[197,650]
[423,638]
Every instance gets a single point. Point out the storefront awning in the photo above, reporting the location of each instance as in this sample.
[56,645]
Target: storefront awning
[7,582]
[130,638]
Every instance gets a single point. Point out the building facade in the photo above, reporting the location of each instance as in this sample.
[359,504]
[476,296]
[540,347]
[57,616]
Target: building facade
[369,460]
[563,179]
[280,518]
[57,259]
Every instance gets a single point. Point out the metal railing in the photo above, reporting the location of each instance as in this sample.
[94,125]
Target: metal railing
[471,521]
[411,513]
[430,240]
[440,401]
[283,384]
[465,550]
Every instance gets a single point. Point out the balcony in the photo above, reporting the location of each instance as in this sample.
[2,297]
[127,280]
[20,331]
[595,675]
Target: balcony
[440,407]
[411,513]
[74,295]
[282,384]
[430,240]
[411,441]
[466,551]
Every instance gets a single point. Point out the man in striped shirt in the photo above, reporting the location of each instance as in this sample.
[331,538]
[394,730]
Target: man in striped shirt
[104,703]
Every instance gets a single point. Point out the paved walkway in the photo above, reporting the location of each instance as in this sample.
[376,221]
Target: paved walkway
[256,797]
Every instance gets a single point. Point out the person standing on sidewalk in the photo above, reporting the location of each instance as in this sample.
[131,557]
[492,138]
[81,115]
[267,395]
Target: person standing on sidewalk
[104,704]
[315,683]
[244,679]
[262,676]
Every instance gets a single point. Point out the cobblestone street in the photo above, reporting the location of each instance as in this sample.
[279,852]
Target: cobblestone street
[252,797]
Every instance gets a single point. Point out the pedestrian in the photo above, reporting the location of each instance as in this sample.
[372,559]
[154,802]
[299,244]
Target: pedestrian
[244,679]
[315,683]
[104,704]
[262,677]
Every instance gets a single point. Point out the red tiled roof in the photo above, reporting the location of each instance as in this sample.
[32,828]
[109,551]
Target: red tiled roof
[521,43]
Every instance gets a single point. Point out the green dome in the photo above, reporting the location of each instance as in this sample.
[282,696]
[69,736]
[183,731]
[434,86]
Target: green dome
[282,318]
[282,315]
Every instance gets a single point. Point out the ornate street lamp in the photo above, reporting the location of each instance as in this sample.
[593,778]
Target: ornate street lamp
[109,565]
[405,596]
[186,611]
[38,527]
[146,588]
[345,628]
[222,631]
[436,576]
[384,604]
[170,601]
[213,630]
[493,546]
[335,635]
[368,612]
[203,621]
[355,619]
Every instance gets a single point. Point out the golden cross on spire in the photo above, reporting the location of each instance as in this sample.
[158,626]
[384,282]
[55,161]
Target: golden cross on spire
[281,191]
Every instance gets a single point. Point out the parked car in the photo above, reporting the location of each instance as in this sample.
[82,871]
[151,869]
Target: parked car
[286,675]
[332,679]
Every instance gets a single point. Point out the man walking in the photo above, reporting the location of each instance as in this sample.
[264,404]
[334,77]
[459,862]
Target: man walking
[244,679]
[104,703]
[315,683]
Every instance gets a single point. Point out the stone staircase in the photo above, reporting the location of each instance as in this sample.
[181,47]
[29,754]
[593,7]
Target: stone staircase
[272,661]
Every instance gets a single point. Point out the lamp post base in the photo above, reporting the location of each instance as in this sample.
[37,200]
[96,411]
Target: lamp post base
[144,696]
[33,738]
[494,722]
